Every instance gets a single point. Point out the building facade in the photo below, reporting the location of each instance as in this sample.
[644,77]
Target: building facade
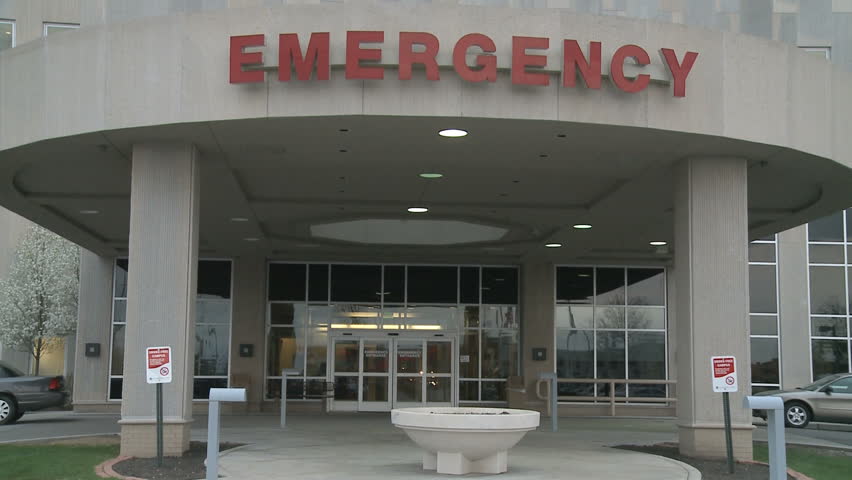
[604,212]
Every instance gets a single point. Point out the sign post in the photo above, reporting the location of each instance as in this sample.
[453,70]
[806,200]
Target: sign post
[159,371]
[724,371]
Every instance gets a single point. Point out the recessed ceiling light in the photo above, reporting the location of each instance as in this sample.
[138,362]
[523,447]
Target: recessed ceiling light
[251,239]
[89,212]
[659,244]
[239,219]
[582,226]
[418,209]
[431,175]
[343,130]
[453,133]
[561,135]
[542,155]
[553,245]
[343,150]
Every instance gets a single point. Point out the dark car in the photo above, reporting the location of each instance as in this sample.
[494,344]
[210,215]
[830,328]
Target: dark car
[20,393]
[829,399]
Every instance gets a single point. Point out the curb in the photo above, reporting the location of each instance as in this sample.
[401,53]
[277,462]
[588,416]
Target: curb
[790,471]
[104,470]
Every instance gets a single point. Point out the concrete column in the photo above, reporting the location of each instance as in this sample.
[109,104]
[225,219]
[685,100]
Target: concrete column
[249,328]
[94,311]
[711,268]
[537,312]
[161,288]
[793,307]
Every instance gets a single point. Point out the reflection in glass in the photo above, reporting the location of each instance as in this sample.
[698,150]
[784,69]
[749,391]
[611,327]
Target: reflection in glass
[610,349]
[764,360]
[318,283]
[120,278]
[346,389]
[499,353]
[409,389]
[295,388]
[115,387]
[201,387]
[468,391]
[471,317]
[575,284]
[212,311]
[574,316]
[609,317]
[469,354]
[764,324]
[828,326]
[394,290]
[575,354]
[211,349]
[438,389]
[469,285]
[356,283]
[214,279]
[117,350]
[828,292]
[344,315]
[504,316]
[646,318]
[287,282]
[119,312]
[375,389]
[646,286]
[493,391]
[284,343]
[646,390]
[6,35]
[317,349]
[647,355]
[826,229]
[439,357]
[762,291]
[346,356]
[376,356]
[288,314]
[826,254]
[409,357]
[610,286]
[829,356]
[761,252]
[431,318]
[500,285]
[432,284]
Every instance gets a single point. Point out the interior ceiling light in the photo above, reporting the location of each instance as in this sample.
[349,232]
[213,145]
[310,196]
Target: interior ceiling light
[89,212]
[453,133]
[418,209]
[239,219]
[251,239]
[582,226]
[553,245]
[431,175]
[659,244]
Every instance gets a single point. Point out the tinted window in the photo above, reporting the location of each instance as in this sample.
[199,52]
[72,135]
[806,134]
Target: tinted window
[214,279]
[610,286]
[121,278]
[827,229]
[394,284]
[762,291]
[318,283]
[575,284]
[356,283]
[432,284]
[645,286]
[844,385]
[500,285]
[469,285]
[287,282]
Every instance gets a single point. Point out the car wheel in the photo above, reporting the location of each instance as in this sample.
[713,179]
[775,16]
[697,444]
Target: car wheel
[797,415]
[8,411]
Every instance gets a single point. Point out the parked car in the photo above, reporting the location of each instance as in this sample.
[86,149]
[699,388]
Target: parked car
[20,393]
[829,399]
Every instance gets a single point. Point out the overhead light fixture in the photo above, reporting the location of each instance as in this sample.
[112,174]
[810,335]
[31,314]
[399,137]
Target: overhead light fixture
[431,175]
[453,133]
[239,219]
[89,212]
[583,275]
[659,243]
[251,239]
[582,226]
[553,245]
[418,209]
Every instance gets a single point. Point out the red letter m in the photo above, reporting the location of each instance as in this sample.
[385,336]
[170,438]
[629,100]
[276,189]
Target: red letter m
[290,55]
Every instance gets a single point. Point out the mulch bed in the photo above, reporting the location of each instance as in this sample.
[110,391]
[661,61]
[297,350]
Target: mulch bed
[188,467]
[710,469]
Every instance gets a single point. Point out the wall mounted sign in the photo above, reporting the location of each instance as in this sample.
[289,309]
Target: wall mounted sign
[724,374]
[159,361]
[421,49]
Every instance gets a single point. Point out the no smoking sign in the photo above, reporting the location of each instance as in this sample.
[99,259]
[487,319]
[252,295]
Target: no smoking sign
[724,372]
[159,362]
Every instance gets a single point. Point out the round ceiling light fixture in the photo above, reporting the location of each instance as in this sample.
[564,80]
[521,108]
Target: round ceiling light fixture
[431,175]
[239,219]
[553,245]
[658,243]
[89,212]
[418,209]
[453,133]
[582,226]
[251,239]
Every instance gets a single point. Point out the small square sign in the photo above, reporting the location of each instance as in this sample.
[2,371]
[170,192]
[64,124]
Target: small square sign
[724,371]
[159,362]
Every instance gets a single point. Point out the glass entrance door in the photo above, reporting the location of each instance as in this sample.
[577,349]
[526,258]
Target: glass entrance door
[424,373]
[375,375]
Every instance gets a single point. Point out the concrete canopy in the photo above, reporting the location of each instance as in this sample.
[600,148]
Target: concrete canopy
[286,156]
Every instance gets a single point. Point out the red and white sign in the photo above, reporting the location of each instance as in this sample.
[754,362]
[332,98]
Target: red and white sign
[159,360]
[724,371]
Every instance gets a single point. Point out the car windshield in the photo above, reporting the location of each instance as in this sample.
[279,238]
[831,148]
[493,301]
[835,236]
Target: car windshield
[10,371]
[822,382]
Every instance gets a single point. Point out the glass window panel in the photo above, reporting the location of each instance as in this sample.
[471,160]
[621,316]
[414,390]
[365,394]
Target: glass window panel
[764,324]
[603,390]
[844,385]
[500,317]
[212,344]
[576,389]
[344,315]
[7,35]
[320,315]
[394,284]
[761,252]
[346,356]
[764,360]
[315,388]
[610,349]
[656,390]
[120,278]
[356,283]
[282,348]
[119,312]
[346,389]
[295,388]
[317,350]
[273,388]
[609,317]
[288,314]
[431,318]
[755,389]
[610,286]
[212,311]
[493,391]
[432,284]
[575,284]
[646,286]
[115,387]
[393,317]
[762,292]
[646,318]
[375,389]
[439,357]
[826,254]
[828,327]
[201,387]
[646,355]
[469,285]
[409,357]
[575,354]
[287,282]
[50,29]
[214,279]
[376,356]
[500,285]
[117,350]
[471,317]
[828,290]
[574,316]
[827,229]
[469,354]
[318,283]
[468,391]
[499,353]
[438,389]
[829,356]
[409,389]
[848,224]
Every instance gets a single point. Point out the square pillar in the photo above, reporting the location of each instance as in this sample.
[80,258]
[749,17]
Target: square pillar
[537,311]
[711,269]
[161,286]
[94,317]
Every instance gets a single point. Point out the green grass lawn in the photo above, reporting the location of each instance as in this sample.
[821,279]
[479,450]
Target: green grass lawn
[819,464]
[53,462]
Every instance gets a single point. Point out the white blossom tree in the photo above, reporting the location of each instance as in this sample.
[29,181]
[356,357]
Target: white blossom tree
[38,299]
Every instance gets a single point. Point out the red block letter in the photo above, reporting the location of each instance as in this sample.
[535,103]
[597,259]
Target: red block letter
[520,61]
[290,54]
[679,71]
[354,55]
[573,59]
[407,55]
[486,64]
[240,58]
[616,68]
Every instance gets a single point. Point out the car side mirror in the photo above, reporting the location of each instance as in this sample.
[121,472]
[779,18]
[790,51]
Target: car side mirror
[828,390]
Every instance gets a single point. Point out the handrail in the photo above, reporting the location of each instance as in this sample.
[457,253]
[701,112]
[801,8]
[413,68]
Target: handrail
[612,399]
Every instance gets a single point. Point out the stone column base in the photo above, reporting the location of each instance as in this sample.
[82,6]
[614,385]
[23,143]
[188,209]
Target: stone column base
[139,438]
[708,441]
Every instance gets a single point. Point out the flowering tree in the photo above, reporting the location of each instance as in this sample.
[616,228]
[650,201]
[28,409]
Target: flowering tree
[38,299]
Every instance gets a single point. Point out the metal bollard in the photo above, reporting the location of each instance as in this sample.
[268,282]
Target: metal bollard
[218,395]
[552,398]
[774,407]
[284,373]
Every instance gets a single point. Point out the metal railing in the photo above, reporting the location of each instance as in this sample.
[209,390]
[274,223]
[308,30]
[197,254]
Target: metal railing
[612,399]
